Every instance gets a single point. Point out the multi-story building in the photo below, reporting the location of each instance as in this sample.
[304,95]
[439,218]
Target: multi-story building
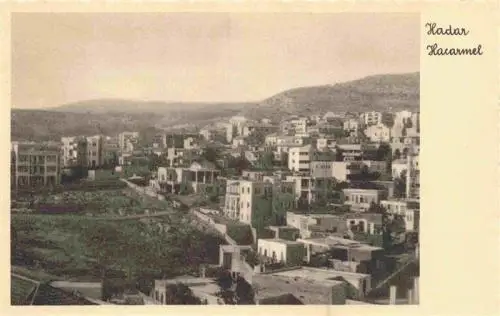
[311,189]
[371,118]
[198,176]
[111,150]
[128,141]
[398,167]
[351,126]
[191,142]
[401,146]
[95,151]
[361,199]
[206,133]
[299,158]
[374,166]
[299,125]
[250,128]
[160,140]
[255,202]
[326,143]
[345,170]
[74,152]
[235,127]
[378,133]
[36,164]
[399,206]
[350,152]
[413,177]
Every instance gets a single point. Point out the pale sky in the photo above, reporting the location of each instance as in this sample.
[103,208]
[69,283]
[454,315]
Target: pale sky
[59,58]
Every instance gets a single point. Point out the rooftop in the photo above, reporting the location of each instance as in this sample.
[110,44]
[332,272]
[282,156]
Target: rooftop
[317,274]
[338,242]
[399,161]
[280,241]
[307,290]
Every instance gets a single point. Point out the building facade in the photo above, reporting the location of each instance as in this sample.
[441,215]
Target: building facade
[74,152]
[36,165]
[361,199]
[128,141]
[95,151]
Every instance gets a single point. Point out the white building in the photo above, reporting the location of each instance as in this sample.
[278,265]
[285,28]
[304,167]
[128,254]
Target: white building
[343,170]
[311,189]
[371,118]
[323,143]
[247,200]
[413,177]
[95,151]
[128,141]
[74,151]
[378,133]
[351,125]
[198,176]
[398,167]
[35,164]
[299,158]
[279,250]
[361,199]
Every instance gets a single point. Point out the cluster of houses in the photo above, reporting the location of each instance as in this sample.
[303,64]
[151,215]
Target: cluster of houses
[316,208]
[319,213]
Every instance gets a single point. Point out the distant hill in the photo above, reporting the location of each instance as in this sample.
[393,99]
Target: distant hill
[111,116]
[378,93]
[51,125]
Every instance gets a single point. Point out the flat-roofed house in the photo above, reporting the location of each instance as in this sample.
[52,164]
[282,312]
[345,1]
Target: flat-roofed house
[288,252]
[361,199]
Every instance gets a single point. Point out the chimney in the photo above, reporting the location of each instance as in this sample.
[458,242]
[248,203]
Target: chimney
[416,290]
[202,272]
[392,295]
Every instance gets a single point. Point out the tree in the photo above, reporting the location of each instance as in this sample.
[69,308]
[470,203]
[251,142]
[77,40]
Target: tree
[384,152]
[211,154]
[339,154]
[245,294]
[400,185]
[376,208]
[284,159]
[405,152]
[225,282]
[397,154]
[266,161]
[180,294]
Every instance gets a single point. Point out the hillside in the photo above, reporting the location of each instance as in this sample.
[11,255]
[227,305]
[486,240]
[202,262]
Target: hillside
[50,125]
[378,93]
[108,116]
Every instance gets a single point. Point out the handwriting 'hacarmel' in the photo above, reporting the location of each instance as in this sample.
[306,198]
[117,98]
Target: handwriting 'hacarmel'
[435,50]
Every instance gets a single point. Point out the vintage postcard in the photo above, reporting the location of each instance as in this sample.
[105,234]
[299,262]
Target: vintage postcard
[252,154]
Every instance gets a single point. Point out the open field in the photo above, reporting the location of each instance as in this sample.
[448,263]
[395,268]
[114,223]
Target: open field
[115,202]
[81,247]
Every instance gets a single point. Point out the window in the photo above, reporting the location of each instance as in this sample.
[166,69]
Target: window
[248,190]
[248,204]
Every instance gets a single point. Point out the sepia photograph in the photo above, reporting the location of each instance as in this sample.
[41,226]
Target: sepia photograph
[215,158]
